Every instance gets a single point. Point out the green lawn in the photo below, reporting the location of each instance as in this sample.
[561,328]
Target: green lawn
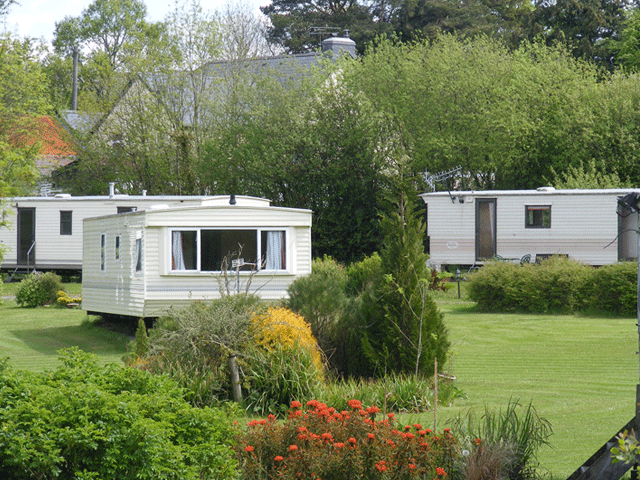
[579,372]
[31,337]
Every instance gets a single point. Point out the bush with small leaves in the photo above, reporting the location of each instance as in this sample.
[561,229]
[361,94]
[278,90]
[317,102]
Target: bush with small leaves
[38,289]
[85,421]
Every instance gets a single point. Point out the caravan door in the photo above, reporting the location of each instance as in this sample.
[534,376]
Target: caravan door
[485,228]
[26,222]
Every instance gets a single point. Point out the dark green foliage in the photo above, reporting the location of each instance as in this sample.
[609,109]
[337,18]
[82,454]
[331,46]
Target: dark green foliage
[614,289]
[519,430]
[85,421]
[38,289]
[193,344]
[331,300]
[556,285]
[321,299]
[586,26]
[405,330]
[279,376]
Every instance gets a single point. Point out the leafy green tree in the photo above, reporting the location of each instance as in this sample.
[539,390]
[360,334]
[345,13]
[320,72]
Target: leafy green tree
[307,142]
[588,176]
[150,140]
[22,98]
[414,20]
[477,104]
[106,26]
[585,26]
[626,47]
[406,331]
[301,26]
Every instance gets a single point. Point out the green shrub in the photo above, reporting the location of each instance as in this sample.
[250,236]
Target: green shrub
[614,289]
[321,299]
[85,421]
[193,344]
[38,289]
[277,376]
[330,299]
[394,393]
[350,444]
[557,285]
[513,435]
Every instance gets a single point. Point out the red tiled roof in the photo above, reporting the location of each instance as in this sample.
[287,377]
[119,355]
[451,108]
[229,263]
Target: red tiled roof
[57,145]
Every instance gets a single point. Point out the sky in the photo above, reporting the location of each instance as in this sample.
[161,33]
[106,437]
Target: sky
[37,18]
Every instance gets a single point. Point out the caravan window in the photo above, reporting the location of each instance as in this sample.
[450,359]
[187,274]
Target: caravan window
[537,216]
[211,250]
[65,222]
[103,251]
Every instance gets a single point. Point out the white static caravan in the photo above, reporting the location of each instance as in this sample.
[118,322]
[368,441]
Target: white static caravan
[45,233]
[470,227]
[141,264]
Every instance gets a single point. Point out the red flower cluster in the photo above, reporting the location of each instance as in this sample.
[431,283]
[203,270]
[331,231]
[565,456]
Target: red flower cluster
[334,444]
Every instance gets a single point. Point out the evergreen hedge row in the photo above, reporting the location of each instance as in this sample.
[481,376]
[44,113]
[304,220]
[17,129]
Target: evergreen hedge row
[557,285]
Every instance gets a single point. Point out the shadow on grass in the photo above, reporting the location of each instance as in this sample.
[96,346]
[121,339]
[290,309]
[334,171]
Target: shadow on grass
[87,337]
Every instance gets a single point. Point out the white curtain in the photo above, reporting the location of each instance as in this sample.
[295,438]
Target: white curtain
[274,258]
[177,257]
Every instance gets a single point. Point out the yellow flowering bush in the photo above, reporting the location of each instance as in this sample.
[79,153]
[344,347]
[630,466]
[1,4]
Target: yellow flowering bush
[64,299]
[282,328]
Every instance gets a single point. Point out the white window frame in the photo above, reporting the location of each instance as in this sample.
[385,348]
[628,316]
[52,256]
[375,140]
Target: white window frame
[138,254]
[260,255]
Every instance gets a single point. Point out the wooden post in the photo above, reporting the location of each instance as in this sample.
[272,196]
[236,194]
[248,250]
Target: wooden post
[435,396]
[235,378]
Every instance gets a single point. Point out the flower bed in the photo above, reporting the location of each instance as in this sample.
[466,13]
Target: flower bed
[319,442]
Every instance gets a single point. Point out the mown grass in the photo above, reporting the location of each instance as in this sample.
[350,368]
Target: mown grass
[31,337]
[580,373]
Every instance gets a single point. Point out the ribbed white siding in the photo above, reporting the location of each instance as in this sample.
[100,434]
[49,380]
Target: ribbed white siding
[119,289]
[584,225]
[123,291]
[65,251]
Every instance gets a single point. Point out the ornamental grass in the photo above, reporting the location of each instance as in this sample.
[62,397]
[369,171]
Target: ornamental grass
[319,442]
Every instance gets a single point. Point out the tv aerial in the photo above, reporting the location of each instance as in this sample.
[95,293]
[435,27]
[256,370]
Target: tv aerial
[324,32]
[443,177]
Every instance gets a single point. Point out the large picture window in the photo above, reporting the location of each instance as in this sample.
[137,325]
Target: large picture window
[537,216]
[207,250]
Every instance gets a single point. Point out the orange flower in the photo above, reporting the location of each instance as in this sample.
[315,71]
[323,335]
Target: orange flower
[248,448]
[352,440]
[296,404]
[371,436]
[293,448]
[440,472]
[382,466]
[478,441]
[354,404]
[278,458]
